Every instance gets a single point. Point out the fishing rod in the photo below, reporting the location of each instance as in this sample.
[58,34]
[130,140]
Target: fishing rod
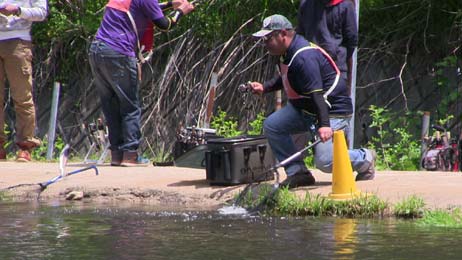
[63,158]
[168,5]
[275,188]
[146,53]
[44,185]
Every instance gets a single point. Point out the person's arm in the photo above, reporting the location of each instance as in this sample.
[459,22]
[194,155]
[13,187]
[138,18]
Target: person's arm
[324,130]
[272,84]
[323,109]
[182,7]
[38,11]
[267,86]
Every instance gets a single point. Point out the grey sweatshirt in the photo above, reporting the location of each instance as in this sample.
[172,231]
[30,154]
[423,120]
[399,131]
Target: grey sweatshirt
[19,26]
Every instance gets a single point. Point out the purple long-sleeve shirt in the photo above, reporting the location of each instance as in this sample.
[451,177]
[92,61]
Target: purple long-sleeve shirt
[117,31]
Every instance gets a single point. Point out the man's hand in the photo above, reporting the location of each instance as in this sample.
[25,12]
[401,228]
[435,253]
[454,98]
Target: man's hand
[257,87]
[183,5]
[9,9]
[177,3]
[325,133]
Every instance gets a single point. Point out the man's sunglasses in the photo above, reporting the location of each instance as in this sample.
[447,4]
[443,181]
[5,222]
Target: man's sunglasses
[269,36]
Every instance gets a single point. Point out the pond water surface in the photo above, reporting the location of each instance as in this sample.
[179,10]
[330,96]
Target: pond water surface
[80,231]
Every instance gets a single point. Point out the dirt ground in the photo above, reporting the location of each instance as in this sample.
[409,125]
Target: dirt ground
[187,188]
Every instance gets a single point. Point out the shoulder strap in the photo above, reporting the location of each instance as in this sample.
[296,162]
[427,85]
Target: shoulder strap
[331,61]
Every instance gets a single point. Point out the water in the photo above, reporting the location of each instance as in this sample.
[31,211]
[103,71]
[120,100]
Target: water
[233,210]
[80,231]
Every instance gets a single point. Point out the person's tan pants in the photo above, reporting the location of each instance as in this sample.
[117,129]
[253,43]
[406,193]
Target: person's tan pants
[16,67]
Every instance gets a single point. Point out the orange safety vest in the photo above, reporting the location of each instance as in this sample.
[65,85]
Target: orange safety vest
[291,93]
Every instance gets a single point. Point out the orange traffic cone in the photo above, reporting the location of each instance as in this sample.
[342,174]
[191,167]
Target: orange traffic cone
[343,184]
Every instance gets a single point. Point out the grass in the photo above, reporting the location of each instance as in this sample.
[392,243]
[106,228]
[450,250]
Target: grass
[4,196]
[442,218]
[286,202]
[412,207]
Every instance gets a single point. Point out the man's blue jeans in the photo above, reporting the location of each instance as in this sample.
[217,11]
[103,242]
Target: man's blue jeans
[116,79]
[279,127]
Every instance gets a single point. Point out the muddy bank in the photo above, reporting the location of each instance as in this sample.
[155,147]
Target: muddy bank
[182,188]
[168,186]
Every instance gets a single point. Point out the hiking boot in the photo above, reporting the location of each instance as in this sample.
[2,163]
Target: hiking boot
[369,174]
[116,157]
[297,180]
[132,159]
[23,156]
[2,154]
[24,152]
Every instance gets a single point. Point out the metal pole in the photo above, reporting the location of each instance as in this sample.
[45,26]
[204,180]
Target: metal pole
[351,133]
[424,134]
[52,125]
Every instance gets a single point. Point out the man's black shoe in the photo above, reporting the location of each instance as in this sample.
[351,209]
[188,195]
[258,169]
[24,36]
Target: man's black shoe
[297,180]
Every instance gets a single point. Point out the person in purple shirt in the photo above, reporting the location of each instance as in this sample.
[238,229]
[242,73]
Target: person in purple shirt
[318,99]
[114,57]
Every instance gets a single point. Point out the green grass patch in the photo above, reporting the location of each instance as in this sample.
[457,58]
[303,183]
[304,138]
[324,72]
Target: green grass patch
[442,218]
[4,196]
[288,203]
[412,207]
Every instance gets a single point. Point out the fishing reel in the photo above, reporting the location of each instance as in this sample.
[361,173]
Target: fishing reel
[245,89]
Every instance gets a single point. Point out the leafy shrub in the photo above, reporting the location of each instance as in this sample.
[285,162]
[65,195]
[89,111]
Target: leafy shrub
[257,125]
[396,148]
[224,125]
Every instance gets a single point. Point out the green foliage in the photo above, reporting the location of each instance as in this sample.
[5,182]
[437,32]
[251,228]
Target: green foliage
[442,218]
[445,121]
[428,22]
[309,157]
[224,125]
[216,21]
[396,148]
[309,160]
[4,196]
[7,132]
[448,93]
[161,154]
[412,207]
[257,125]
[66,33]
[254,196]
[40,153]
